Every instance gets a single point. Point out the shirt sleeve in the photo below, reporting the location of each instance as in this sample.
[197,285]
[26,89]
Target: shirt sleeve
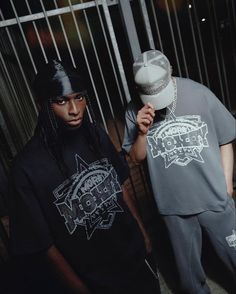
[131,130]
[116,158]
[224,122]
[29,232]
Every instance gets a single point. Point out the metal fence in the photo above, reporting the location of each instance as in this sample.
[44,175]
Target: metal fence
[83,34]
[102,38]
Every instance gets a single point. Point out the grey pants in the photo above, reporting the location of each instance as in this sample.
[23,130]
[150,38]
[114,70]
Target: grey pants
[185,233]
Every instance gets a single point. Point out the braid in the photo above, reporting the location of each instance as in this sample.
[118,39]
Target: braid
[57,79]
[48,122]
[93,136]
[49,132]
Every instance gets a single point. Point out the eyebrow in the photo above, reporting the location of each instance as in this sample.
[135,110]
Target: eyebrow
[58,98]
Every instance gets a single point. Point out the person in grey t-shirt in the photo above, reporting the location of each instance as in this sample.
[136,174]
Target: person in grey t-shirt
[185,134]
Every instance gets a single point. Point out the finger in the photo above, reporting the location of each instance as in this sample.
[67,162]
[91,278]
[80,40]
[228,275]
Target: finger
[145,121]
[150,109]
[146,111]
[150,105]
[143,129]
[148,116]
[147,106]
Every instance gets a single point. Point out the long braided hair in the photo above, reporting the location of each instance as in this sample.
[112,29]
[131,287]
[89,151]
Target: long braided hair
[51,81]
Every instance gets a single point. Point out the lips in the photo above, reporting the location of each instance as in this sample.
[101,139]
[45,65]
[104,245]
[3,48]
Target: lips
[74,122]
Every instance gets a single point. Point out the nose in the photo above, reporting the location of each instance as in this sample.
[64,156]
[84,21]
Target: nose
[73,108]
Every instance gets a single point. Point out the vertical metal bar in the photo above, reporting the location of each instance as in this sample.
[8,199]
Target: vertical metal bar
[87,63]
[116,50]
[89,114]
[109,53]
[10,98]
[216,53]
[180,38]
[173,37]
[25,42]
[65,36]
[4,237]
[147,23]
[232,32]
[23,36]
[50,30]
[157,27]
[200,42]
[19,107]
[221,56]
[7,135]
[37,33]
[233,12]
[231,8]
[195,43]
[20,66]
[102,76]
[98,63]
[54,12]
[130,28]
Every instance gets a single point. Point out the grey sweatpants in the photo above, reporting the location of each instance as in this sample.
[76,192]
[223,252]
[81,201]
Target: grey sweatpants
[185,234]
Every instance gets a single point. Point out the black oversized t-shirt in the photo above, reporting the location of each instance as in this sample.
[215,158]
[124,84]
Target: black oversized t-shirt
[84,215]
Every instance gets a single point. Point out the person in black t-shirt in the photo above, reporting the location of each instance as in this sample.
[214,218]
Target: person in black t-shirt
[68,198]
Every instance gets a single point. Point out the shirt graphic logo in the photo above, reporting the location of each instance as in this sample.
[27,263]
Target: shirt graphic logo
[89,197]
[231,240]
[179,140]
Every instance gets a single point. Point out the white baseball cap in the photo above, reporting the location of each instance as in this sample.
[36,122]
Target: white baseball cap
[152,75]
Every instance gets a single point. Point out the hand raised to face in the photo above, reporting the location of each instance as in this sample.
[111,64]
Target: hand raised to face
[145,118]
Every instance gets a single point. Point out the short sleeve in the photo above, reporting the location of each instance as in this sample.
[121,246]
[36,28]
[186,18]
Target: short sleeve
[29,232]
[224,122]
[131,130]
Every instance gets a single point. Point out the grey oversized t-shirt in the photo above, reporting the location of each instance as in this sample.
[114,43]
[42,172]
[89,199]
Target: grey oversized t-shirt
[183,153]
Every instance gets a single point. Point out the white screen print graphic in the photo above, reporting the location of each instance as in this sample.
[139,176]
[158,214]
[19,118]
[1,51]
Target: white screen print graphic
[89,197]
[179,140]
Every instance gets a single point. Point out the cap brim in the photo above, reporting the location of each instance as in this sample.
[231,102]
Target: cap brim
[162,99]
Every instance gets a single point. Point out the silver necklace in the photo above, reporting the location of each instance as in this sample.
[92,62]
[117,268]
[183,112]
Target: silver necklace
[172,107]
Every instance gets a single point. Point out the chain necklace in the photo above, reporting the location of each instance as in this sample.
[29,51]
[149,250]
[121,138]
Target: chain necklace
[172,107]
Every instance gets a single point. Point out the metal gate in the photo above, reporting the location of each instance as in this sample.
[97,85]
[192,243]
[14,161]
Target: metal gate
[102,38]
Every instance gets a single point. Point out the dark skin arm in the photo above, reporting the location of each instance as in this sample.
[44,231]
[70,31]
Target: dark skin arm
[65,272]
[133,209]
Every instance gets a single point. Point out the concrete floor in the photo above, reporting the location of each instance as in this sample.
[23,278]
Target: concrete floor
[215,288]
